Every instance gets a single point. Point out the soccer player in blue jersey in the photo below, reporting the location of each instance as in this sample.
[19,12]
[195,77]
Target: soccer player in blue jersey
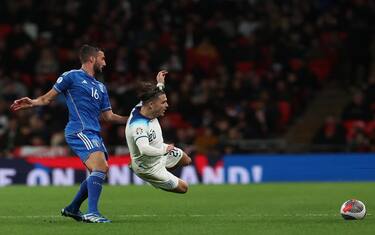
[87,100]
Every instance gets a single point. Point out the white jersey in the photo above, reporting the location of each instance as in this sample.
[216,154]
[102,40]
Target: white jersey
[137,127]
[149,155]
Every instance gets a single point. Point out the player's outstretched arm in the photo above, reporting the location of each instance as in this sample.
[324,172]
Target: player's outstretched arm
[26,102]
[109,116]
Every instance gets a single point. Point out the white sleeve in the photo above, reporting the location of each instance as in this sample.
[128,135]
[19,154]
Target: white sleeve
[139,133]
[146,149]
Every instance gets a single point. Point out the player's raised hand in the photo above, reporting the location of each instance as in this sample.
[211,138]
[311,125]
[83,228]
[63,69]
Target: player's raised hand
[160,78]
[22,103]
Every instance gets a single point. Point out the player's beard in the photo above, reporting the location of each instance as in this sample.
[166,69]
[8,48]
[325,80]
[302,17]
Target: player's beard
[97,68]
[161,113]
[156,113]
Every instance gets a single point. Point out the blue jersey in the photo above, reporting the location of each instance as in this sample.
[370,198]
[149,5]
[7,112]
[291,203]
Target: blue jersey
[86,99]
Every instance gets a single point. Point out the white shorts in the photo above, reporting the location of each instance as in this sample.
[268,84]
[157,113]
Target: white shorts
[173,157]
[161,177]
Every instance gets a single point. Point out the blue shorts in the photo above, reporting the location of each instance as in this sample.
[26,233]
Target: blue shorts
[86,142]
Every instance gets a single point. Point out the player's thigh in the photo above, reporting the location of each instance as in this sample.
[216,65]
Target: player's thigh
[90,149]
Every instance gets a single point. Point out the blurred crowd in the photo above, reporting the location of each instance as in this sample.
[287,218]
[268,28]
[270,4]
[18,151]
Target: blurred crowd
[237,69]
[355,130]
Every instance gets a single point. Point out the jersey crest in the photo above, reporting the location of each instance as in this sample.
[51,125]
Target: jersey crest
[139,131]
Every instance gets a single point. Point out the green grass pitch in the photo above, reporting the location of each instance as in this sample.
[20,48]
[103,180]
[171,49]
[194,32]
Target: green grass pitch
[298,208]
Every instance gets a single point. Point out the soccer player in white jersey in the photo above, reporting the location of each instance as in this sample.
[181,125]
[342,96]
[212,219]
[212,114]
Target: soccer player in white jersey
[150,156]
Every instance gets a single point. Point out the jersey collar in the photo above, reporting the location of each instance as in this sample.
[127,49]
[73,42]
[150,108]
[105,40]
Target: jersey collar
[88,75]
[138,111]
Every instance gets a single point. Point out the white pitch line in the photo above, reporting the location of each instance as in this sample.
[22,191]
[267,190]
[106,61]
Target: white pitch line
[178,215]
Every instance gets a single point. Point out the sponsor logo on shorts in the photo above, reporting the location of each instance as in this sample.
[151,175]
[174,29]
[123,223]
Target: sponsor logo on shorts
[95,142]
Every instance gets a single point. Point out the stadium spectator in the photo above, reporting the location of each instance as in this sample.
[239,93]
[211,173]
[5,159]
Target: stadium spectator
[331,136]
[357,109]
[254,65]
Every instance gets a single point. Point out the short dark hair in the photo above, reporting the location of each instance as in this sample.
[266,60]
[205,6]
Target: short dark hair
[86,51]
[148,91]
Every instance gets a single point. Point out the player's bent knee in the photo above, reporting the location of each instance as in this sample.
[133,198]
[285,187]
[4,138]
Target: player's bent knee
[105,168]
[97,162]
[102,167]
[182,186]
[185,189]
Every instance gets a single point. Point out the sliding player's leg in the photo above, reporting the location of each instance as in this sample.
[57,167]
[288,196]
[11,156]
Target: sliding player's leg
[165,180]
[177,158]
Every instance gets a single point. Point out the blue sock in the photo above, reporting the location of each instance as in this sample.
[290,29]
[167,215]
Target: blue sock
[94,186]
[79,198]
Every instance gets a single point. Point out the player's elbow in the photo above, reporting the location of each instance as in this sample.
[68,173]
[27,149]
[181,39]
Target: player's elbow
[142,152]
[106,117]
[45,101]
[145,152]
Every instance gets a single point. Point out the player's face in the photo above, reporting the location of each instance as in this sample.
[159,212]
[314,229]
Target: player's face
[160,105]
[99,62]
